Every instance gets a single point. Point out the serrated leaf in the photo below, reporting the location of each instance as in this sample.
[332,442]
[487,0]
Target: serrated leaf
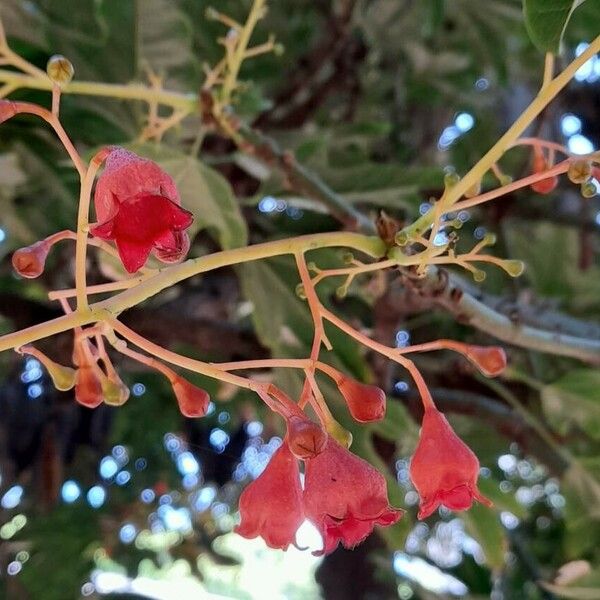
[546,21]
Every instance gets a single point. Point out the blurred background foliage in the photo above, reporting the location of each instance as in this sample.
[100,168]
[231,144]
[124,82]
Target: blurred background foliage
[379,98]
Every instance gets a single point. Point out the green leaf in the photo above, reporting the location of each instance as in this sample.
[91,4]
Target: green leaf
[546,21]
[204,191]
[484,525]
[165,38]
[574,398]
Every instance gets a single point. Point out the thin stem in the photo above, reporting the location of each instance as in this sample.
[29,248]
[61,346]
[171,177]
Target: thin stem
[52,120]
[83,227]
[131,91]
[288,407]
[101,288]
[390,353]
[229,83]
[558,169]
[548,69]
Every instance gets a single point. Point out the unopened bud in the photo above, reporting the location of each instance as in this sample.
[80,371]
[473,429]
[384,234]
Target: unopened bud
[545,186]
[115,392]
[305,438]
[300,291]
[192,400]
[88,389]
[479,275]
[366,403]
[514,268]
[580,171]
[451,179]
[490,360]
[63,377]
[29,262]
[60,69]
[588,189]
[341,435]
[278,49]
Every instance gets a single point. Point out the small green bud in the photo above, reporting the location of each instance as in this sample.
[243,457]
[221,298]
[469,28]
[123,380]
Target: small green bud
[300,291]
[588,189]
[60,69]
[402,238]
[489,239]
[348,258]
[514,268]
[479,276]
[278,49]
[505,179]
[451,179]
[342,291]
[311,266]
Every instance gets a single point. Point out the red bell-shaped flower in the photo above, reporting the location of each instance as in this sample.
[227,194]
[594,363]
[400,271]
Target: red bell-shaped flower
[138,206]
[192,400]
[444,469]
[366,403]
[271,506]
[345,497]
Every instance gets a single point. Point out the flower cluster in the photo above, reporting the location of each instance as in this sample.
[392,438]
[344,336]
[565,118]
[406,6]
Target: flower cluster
[138,208]
[343,496]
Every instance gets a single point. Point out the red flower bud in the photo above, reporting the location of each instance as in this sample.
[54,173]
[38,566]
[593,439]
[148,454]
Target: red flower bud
[444,469]
[366,403]
[490,360]
[345,497]
[138,206]
[193,401]
[305,438]
[88,389]
[271,506]
[29,262]
[544,186]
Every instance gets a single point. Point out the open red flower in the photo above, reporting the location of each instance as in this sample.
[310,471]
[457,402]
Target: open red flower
[345,497]
[138,206]
[444,469]
[271,506]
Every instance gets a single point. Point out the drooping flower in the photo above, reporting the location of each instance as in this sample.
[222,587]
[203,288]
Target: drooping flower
[192,400]
[138,206]
[365,402]
[271,506]
[345,497]
[29,261]
[444,469]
